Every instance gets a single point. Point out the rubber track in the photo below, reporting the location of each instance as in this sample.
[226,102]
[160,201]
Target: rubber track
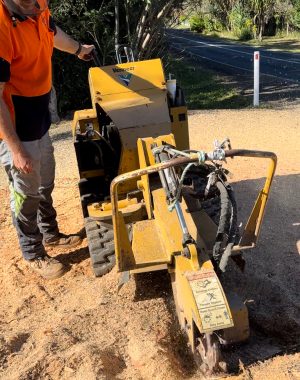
[101,247]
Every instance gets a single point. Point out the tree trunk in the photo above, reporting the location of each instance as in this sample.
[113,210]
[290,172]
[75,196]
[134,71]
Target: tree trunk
[127,23]
[140,29]
[261,24]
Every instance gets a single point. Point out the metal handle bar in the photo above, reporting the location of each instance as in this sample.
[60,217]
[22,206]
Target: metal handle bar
[128,53]
[96,58]
[251,231]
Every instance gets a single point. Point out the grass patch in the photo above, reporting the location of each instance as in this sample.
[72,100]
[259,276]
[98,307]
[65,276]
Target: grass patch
[290,43]
[203,88]
[224,34]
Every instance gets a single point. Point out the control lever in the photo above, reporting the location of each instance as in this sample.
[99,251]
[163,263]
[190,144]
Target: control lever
[96,58]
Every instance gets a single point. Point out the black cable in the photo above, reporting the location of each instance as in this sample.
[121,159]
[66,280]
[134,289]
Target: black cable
[106,142]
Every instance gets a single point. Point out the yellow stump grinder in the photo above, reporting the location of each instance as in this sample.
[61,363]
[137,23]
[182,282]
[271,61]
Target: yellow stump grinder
[150,203]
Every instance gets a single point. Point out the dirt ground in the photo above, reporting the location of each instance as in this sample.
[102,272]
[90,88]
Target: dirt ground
[78,327]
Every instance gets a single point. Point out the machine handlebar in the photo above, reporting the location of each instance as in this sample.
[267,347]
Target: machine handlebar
[95,58]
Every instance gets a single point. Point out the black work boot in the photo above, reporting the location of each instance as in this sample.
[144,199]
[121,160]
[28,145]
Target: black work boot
[47,267]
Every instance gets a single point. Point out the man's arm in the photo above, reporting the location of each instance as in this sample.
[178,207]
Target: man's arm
[21,159]
[64,42]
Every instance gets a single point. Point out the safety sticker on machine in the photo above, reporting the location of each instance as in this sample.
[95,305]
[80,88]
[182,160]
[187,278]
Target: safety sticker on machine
[211,301]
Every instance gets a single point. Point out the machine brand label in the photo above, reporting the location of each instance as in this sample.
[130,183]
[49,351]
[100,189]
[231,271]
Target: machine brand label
[125,78]
[119,70]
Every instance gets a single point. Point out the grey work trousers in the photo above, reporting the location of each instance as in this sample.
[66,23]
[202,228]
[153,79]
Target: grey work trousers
[34,216]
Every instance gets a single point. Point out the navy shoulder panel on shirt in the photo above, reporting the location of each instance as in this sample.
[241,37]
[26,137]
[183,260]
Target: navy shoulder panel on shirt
[52,25]
[4,70]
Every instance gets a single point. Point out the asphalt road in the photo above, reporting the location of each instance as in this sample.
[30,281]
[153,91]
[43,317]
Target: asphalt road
[232,58]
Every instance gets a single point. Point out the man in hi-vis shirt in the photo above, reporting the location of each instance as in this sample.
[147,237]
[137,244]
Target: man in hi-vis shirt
[27,37]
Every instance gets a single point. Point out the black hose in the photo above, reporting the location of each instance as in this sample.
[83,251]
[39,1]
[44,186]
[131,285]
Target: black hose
[224,223]
[106,141]
[233,223]
[232,236]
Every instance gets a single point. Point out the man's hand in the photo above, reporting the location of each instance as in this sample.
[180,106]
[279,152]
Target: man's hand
[86,52]
[64,42]
[21,158]
[22,161]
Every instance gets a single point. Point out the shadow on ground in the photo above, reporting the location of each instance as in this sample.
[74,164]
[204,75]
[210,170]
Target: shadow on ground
[74,257]
[60,136]
[291,45]
[271,280]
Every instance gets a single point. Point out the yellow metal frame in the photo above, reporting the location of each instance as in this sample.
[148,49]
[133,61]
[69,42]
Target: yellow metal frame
[81,118]
[251,231]
[180,127]
[132,210]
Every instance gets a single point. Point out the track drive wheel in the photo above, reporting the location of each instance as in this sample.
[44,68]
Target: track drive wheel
[208,355]
[101,247]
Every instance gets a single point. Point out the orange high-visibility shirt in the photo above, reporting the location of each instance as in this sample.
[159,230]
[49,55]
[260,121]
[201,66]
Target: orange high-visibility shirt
[26,47]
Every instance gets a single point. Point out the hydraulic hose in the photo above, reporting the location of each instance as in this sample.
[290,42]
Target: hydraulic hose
[232,231]
[224,223]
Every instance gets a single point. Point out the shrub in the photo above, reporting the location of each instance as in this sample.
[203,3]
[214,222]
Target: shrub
[241,23]
[296,17]
[245,34]
[209,24]
[205,23]
[218,26]
[197,24]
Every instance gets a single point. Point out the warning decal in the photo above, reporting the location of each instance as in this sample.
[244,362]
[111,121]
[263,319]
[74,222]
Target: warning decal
[210,299]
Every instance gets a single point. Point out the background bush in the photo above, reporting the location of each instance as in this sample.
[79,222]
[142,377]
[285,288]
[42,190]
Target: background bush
[241,22]
[197,23]
[85,21]
[205,23]
[246,19]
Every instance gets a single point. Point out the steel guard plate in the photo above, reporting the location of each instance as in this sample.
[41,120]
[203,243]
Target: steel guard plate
[211,301]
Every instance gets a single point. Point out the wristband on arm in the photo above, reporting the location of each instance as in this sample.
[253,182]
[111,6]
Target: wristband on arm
[78,51]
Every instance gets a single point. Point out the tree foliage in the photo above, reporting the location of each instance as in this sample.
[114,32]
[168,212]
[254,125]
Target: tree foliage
[247,18]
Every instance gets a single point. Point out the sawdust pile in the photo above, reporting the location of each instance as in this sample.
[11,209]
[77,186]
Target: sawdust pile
[78,327]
